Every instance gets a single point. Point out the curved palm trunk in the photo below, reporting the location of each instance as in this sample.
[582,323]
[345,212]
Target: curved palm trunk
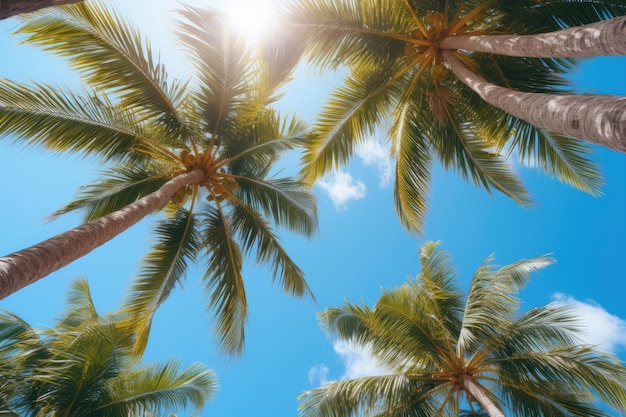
[607,37]
[597,119]
[26,266]
[10,8]
[479,395]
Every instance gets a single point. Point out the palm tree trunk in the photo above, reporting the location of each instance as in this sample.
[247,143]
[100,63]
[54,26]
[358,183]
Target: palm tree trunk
[26,266]
[479,395]
[607,37]
[10,8]
[597,119]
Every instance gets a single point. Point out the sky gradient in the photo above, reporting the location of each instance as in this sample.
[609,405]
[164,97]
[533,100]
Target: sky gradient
[359,249]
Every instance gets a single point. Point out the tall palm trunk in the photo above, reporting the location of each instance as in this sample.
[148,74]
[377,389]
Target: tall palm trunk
[597,119]
[479,395]
[26,266]
[10,8]
[607,37]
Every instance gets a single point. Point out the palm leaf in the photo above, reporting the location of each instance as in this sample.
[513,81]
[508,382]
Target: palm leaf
[460,149]
[121,185]
[223,279]
[163,268]
[413,166]
[256,235]
[491,301]
[221,60]
[159,389]
[118,61]
[254,148]
[350,33]
[351,114]
[559,156]
[64,121]
[287,202]
[398,395]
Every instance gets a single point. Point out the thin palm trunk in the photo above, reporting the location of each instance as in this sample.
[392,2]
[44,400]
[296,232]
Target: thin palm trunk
[26,266]
[10,8]
[479,395]
[597,119]
[607,37]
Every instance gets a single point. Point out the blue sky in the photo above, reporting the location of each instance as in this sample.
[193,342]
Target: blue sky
[360,248]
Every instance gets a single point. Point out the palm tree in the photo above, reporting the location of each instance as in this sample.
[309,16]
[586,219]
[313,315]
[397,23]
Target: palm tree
[84,366]
[445,350]
[202,152]
[417,63]
[10,8]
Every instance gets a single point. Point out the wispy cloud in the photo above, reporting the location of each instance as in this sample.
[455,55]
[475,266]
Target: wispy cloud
[341,188]
[357,360]
[318,375]
[374,153]
[598,327]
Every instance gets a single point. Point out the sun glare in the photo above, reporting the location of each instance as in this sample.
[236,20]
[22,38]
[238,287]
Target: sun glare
[250,17]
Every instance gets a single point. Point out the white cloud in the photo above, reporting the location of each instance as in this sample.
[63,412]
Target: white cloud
[598,327]
[341,188]
[318,375]
[374,153]
[358,361]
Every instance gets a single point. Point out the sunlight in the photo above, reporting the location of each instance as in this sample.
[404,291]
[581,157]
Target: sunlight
[250,17]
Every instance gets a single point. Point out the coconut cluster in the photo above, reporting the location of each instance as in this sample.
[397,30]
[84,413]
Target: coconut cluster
[218,183]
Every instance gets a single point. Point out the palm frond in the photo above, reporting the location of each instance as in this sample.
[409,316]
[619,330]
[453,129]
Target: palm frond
[401,319]
[491,303]
[554,15]
[177,243]
[67,122]
[121,185]
[352,113]
[80,307]
[559,156]
[349,33]
[223,279]
[397,395]
[159,389]
[289,203]
[460,149]
[112,57]
[256,235]
[575,372]
[254,149]
[221,59]
[413,167]
[85,366]
[541,329]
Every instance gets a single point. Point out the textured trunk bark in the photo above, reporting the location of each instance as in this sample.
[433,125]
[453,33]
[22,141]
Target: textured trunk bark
[607,37]
[26,266]
[10,8]
[479,395]
[597,119]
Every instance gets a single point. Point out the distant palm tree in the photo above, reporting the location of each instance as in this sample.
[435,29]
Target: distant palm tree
[10,8]
[444,350]
[170,146]
[432,70]
[85,367]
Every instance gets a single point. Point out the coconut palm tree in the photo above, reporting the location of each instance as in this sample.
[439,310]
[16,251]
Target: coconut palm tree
[444,350]
[432,68]
[85,366]
[10,8]
[202,152]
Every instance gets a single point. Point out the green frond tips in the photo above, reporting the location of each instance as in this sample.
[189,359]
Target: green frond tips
[440,346]
[84,365]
